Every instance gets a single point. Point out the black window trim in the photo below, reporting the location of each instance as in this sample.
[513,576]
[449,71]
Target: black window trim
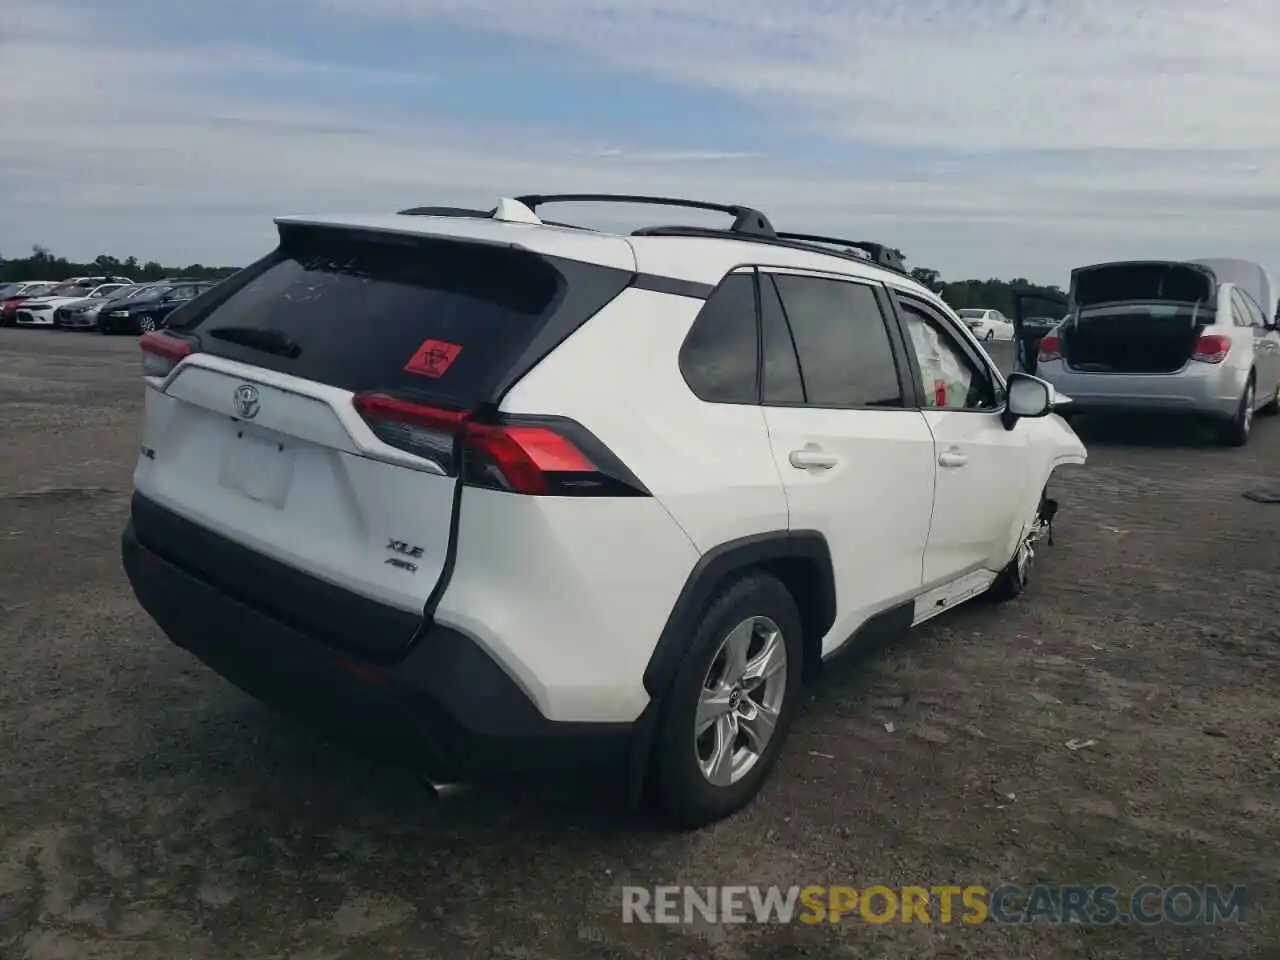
[791,339]
[983,363]
[908,390]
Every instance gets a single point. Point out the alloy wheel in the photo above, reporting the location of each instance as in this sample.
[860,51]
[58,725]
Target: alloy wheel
[741,701]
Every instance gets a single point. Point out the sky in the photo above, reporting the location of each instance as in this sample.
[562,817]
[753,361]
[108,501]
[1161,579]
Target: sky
[1007,138]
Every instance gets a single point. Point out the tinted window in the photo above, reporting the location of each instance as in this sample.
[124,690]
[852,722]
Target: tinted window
[718,358]
[371,314]
[951,380]
[782,382]
[842,342]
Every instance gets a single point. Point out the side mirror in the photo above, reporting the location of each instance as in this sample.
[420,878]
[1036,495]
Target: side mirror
[1027,397]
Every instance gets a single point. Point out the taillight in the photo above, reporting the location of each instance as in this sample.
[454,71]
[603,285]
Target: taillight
[1050,347]
[1211,348]
[535,456]
[161,353]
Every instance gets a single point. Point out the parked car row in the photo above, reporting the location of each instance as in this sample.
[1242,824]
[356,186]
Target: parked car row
[106,304]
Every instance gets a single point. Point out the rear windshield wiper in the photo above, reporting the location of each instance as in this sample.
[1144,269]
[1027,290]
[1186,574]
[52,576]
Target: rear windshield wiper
[268,340]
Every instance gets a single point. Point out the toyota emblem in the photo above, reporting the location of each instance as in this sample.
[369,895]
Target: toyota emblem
[246,401]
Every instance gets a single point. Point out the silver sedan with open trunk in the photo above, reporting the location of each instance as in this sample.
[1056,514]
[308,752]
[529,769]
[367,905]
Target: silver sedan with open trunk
[1197,337]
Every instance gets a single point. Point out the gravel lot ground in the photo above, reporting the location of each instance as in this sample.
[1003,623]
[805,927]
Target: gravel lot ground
[150,810]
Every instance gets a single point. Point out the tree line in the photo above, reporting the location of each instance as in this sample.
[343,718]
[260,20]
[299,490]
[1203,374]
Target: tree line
[44,265]
[992,294]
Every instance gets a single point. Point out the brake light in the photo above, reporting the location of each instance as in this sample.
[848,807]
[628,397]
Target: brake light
[546,457]
[1211,348]
[1050,347]
[161,353]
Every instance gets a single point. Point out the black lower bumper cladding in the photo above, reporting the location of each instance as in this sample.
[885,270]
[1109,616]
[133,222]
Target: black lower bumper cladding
[446,708]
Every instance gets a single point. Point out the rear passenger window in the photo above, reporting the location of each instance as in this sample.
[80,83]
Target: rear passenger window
[1254,312]
[782,381]
[718,358]
[1239,311]
[846,359]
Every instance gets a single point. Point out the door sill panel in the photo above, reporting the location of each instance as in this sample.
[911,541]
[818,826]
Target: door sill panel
[950,595]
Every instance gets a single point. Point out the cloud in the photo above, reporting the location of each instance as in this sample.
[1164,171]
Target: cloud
[983,137]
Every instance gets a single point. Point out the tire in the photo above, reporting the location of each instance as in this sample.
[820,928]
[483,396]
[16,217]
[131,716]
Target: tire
[747,609]
[1236,432]
[147,323]
[1272,406]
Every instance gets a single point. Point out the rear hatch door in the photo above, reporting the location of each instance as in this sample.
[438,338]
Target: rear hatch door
[258,436]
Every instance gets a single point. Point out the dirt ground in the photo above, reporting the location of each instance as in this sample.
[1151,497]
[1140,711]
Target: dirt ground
[150,810]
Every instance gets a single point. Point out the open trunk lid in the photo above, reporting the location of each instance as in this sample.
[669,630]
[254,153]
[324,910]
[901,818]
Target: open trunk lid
[1137,316]
[281,427]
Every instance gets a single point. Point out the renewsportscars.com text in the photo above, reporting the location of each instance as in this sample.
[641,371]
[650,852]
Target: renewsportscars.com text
[949,904]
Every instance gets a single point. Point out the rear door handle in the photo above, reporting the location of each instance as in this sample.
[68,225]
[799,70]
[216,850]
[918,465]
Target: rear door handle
[952,459]
[812,458]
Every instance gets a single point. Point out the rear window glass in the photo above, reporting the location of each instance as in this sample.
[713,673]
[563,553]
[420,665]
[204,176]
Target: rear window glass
[69,290]
[433,316]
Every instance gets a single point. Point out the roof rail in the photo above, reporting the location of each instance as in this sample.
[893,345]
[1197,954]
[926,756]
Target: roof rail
[879,253]
[747,221]
[857,253]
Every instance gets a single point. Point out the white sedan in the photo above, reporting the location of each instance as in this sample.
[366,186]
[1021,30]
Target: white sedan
[987,324]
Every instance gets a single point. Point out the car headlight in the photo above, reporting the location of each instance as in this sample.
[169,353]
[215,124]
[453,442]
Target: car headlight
[119,314]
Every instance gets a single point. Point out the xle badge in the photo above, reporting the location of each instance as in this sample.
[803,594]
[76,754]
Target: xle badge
[406,550]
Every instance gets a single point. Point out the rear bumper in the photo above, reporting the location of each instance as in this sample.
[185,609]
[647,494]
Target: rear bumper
[28,318]
[446,708]
[1198,389]
[112,324]
[75,321]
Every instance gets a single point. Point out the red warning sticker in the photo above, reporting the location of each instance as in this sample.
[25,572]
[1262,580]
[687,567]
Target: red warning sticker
[433,358]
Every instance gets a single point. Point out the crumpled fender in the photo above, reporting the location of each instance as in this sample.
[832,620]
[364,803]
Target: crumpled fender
[1058,445]
[1068,448]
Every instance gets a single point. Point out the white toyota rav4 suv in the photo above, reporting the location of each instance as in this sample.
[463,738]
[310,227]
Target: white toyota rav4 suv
[501,495]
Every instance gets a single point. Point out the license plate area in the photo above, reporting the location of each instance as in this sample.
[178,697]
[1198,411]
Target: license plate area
[258,466]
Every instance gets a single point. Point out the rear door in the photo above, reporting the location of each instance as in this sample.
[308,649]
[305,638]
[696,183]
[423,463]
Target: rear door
[854,453]
[1035,313]
[259,434]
